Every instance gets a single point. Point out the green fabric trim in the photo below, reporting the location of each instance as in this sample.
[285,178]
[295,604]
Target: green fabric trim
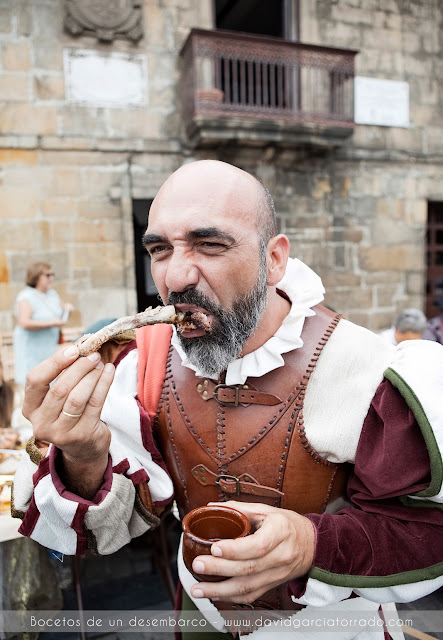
[361,582]
[428,435]
[426,504]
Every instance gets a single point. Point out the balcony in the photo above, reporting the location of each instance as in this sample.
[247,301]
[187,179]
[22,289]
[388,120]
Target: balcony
[260,90]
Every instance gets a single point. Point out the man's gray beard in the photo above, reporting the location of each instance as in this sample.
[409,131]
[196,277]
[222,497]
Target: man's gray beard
[213,352]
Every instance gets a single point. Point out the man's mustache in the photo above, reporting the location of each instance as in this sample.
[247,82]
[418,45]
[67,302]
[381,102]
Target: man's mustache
[193,296]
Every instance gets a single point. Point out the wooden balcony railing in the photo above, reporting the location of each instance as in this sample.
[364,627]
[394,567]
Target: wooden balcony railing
[229,74]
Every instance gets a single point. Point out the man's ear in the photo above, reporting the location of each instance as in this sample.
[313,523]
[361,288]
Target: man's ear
[277,254]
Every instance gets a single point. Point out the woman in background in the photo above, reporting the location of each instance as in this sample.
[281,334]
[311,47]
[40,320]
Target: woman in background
[40,314]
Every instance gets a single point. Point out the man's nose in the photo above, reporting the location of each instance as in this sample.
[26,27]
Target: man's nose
[181,274]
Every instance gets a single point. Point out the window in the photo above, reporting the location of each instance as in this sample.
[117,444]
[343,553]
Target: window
[264,17]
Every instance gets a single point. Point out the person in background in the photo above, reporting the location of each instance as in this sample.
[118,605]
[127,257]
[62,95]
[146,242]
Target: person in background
[39,313]
[409,325]
[434,327]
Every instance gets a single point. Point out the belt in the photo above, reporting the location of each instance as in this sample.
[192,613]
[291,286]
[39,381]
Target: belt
[231,395]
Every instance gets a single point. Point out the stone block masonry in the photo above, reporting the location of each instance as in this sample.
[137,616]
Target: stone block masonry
[69,172]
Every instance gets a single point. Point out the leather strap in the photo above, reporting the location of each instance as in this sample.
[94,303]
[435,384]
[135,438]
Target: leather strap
[233,485]
[235,394]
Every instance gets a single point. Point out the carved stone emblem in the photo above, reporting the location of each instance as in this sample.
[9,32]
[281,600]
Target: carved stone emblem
[107,19]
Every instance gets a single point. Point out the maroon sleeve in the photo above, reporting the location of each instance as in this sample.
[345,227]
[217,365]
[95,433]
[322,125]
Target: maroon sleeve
[378,535]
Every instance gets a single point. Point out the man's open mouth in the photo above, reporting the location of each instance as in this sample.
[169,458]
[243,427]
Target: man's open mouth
[194,319]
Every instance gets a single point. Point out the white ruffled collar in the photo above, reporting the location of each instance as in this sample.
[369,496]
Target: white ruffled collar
[304,288]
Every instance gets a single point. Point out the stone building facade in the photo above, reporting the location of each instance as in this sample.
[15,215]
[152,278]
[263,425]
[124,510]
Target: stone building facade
[71,172]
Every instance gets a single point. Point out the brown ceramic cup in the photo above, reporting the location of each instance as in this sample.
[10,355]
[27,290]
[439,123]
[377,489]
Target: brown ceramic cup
[204,526]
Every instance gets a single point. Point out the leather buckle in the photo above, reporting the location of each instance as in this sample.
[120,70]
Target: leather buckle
[230,403]
[227,477]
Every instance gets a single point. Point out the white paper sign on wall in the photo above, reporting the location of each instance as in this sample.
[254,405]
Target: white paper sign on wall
[381,102]
[105,80]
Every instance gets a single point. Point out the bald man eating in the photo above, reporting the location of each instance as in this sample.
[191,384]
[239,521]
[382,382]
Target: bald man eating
[323,435]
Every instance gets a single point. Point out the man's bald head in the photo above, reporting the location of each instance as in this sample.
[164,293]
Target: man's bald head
[266,218]
[221,179]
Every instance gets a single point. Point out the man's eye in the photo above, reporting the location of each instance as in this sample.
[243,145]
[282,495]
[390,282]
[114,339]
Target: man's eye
[156,249]
[213,245]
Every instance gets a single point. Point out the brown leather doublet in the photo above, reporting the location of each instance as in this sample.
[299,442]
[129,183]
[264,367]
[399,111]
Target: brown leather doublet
[248,442]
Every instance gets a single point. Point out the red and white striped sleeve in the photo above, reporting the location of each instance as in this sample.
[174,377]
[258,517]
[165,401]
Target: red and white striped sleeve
[61,520]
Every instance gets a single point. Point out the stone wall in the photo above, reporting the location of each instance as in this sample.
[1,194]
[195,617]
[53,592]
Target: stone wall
[369,201]
[68,172]
[362,229]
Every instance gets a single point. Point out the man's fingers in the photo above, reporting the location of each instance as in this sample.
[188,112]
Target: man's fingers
[95,403]
[57,423]
[261,553]
[238,589]
[79,418]
[93,390]
[257,545]
[39,378]
[67,389]
[208,565]
[77,399]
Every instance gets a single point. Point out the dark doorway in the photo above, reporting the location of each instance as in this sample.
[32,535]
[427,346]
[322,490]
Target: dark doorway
[434,273]
[146,290]
[264,17]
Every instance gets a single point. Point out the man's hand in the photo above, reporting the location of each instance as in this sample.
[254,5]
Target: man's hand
[67,413]
[281,549]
